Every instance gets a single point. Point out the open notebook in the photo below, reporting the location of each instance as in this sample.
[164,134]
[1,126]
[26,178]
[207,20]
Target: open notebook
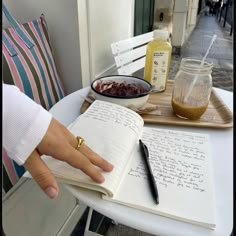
[180,161]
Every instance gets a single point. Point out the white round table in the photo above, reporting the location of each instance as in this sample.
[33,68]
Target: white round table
[221,140]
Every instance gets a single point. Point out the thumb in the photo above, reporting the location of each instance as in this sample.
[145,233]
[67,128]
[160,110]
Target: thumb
[41,174]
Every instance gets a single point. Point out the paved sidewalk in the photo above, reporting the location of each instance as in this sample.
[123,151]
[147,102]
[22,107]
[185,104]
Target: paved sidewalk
[221,53]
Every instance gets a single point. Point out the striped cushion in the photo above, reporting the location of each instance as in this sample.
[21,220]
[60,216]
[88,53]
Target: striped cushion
[10,171]
[32,69]
[28,63]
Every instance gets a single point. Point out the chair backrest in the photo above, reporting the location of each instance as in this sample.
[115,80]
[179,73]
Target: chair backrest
[11,171]
[29,64]
[130,54]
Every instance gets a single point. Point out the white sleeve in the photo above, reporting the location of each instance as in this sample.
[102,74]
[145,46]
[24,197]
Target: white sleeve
[24,123]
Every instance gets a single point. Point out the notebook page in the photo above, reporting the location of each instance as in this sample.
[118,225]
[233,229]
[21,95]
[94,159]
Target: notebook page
[181,165]
[111,131]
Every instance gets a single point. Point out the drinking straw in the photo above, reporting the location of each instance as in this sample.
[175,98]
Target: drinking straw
[202,62]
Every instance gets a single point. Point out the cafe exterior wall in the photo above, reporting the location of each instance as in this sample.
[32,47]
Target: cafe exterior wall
[108,21]
[185,18]
[180,18]
[163,15]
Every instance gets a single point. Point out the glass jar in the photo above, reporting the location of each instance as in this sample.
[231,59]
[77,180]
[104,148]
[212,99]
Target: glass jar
[192,88]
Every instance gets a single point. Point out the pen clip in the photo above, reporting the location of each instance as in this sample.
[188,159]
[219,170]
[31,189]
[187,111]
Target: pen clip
[145,149]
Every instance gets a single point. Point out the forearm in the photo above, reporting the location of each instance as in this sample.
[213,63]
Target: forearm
[24,124]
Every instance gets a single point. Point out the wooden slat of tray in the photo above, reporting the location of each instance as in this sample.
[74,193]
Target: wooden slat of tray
[217,114]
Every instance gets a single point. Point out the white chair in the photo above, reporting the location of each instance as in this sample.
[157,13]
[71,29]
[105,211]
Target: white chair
[130,54]
[28,211]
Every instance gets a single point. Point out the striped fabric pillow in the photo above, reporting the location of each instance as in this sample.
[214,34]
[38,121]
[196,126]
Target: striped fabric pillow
[11,171]
[28,63]
[31,67]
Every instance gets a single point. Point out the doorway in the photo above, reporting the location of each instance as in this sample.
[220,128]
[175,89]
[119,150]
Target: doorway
[143,16]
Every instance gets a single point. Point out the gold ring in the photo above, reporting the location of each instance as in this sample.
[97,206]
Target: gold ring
[80,142]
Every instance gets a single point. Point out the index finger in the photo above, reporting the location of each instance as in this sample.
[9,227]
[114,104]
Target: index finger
[95,158]
[41,174]
[80,161]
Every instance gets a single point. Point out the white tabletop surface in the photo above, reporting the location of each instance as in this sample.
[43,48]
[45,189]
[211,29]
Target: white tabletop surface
[221,140]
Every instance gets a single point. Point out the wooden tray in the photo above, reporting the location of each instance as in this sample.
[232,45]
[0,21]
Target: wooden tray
[217,114]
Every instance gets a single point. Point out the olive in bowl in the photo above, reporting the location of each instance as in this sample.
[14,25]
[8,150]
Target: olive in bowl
[122,89]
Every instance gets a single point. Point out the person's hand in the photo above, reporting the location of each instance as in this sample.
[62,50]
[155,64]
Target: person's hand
[59,143]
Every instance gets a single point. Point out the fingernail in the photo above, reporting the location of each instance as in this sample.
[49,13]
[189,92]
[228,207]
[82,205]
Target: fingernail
[51,192]
[101,179]
[111,166]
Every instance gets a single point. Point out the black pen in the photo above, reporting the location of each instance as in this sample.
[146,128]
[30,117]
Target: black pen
[151,179]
